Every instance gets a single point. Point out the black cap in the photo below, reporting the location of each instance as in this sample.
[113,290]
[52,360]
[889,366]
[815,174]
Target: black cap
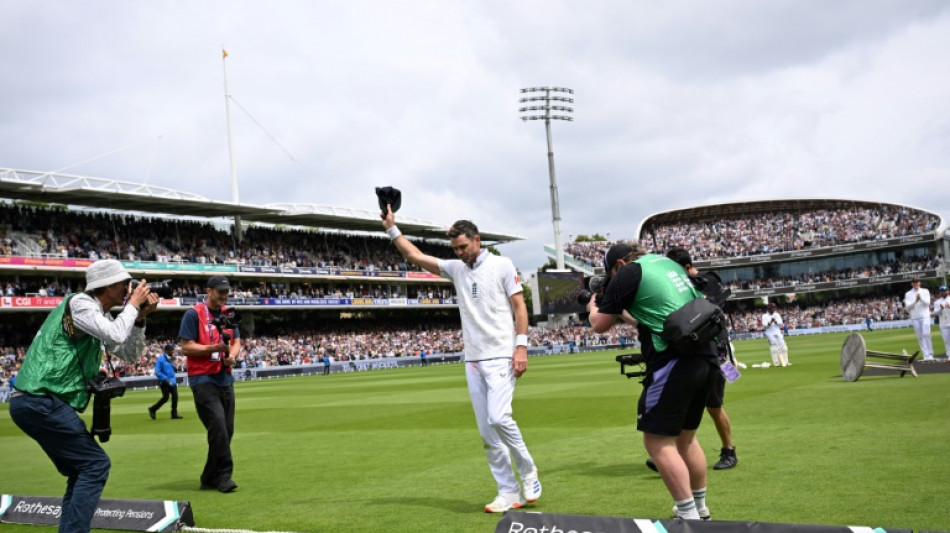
[218,283]
[616,253]
[170,347]
[390,196]
[680,255]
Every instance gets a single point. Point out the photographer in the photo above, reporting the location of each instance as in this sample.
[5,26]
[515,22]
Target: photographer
[211,342]
[670,409]
[62,360]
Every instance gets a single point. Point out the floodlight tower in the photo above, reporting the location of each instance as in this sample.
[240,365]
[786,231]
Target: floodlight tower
[539,99]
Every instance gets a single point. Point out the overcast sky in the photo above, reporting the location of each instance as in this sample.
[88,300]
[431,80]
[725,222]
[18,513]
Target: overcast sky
[678,103]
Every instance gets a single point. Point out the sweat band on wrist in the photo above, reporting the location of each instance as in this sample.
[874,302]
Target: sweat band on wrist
[393,233]
[521,340]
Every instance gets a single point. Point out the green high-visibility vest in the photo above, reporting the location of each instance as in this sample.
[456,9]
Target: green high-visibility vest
[664,288]
[58,365]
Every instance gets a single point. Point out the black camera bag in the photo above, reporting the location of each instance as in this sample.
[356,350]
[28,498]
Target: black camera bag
[694,325]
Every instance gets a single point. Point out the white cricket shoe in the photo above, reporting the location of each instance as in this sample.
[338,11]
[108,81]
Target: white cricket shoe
[703,513]
[505,501]
[531,486]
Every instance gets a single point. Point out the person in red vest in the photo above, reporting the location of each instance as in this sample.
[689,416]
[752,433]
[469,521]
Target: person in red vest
[211,350]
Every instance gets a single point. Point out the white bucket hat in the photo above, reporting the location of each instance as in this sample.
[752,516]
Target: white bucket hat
[105,272]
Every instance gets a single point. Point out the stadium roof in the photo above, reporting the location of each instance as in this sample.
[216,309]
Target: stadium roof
[351,219]
[67,189]
[753,207]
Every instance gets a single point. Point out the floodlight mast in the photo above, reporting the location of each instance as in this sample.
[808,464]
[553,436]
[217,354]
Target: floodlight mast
[544,98]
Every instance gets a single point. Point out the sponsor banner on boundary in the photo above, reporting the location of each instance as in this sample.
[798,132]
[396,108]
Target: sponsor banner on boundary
[129,515]
[42,302]
[528,522]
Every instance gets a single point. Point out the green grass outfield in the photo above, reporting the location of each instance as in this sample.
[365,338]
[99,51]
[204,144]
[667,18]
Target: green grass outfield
[397,450]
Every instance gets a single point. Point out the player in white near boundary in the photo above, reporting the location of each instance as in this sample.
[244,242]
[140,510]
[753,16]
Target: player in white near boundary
[942,312]
[496,350]
[772,322]
[917,304]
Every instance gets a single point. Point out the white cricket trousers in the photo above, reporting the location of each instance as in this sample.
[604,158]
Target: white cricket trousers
[922,329]
[491,385]
[945,333]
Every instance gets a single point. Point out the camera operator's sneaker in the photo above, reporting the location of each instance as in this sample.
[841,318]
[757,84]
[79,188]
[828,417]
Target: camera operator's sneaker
[703,513]
[727,459]
[505,501]
[531,486]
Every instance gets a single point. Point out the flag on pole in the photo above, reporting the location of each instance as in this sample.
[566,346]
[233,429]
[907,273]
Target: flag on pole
[224,53]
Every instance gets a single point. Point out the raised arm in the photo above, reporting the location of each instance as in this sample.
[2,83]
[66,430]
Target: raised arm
[405,246]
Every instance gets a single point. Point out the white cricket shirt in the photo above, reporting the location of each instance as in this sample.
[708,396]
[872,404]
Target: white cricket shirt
[917,309]
[774,328]
[484,292]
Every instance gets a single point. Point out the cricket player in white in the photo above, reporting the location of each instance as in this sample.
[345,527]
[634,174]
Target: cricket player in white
[496,350]
[917,304]
[942,310]
[772,323]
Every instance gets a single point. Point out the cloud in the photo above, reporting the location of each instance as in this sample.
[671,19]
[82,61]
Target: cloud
[677,103]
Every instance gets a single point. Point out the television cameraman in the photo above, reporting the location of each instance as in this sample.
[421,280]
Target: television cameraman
[651,287]
[52,384]
[210,340]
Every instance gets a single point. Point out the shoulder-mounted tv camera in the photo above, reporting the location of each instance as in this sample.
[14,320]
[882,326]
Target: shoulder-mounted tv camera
[593,285]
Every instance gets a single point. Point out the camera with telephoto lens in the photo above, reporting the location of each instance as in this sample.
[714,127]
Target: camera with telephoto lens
[631,359]
[228,319]
[103,389]
[162,288]
[592,285]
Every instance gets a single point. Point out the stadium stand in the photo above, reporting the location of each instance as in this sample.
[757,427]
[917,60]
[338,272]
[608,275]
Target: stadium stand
[47,232]
[755,228]
[300,283]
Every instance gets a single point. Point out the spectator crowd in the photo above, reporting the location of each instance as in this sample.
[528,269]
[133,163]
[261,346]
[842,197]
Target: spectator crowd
[745,235]
[33,230]
[834,313]
[293,344]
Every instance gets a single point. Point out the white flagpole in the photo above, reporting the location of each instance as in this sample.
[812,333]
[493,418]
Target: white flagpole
[238,234]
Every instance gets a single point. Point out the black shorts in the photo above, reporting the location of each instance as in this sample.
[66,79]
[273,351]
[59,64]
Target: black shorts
[674,395]
[717,393]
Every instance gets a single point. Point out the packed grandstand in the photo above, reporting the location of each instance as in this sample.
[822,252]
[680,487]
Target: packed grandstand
[310,294]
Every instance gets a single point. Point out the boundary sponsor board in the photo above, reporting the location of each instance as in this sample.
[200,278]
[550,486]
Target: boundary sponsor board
[529,522]
[130,515]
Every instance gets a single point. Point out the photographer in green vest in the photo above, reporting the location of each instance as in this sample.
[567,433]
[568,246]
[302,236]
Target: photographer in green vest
[53,384]
[650,288]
